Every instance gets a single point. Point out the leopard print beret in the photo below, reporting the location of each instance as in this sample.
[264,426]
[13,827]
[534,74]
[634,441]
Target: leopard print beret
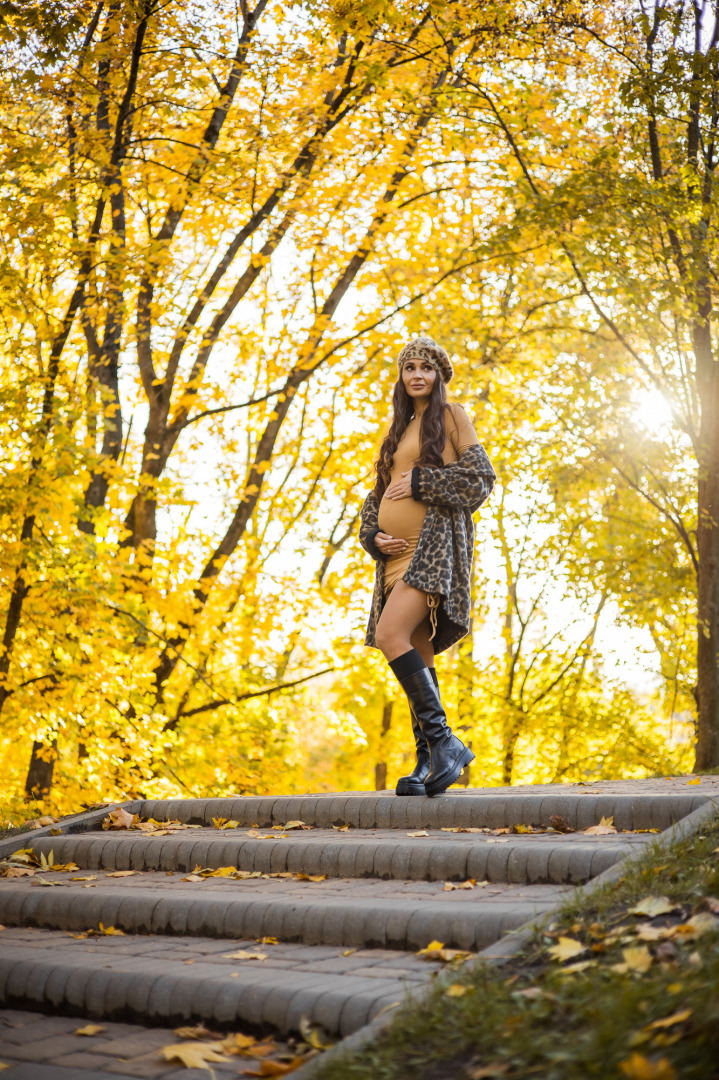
[425,348]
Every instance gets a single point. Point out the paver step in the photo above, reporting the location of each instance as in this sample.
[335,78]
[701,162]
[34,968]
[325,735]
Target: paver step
[489,807]
[185,980]
[544,857]
[347,940]
[406,919]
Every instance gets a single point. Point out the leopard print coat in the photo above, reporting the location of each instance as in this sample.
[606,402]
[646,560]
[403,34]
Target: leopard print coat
[443,557]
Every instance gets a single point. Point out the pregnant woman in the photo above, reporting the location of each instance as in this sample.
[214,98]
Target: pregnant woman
[432,474]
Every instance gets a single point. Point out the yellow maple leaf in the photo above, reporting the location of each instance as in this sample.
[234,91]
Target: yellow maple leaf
[118,819]
[194,1055]
[566,949]
[605,826]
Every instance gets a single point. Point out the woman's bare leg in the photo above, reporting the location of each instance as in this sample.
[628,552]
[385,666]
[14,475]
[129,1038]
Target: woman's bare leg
[401,625]
[420,641]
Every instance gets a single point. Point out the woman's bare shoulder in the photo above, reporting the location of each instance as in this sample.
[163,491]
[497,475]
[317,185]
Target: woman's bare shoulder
[457,412]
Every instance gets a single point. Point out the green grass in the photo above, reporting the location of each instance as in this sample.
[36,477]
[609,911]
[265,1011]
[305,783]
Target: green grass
[532,1018]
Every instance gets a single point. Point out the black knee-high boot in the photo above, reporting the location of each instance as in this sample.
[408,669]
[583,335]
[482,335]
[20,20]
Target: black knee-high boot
[448,754]
[413,784]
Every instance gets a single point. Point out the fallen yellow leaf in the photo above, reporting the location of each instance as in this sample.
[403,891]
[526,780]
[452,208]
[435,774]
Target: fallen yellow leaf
[696,780]
[276,1068]
[647,932]
[605,826]
[194,1055]
[268,941]
[245,954]
[122,873]
[575,969]
[566,949]
[639,1067]
[89,1029]
[669,1021]
[237,1043]
[340,828]
[314,1034]
[456,990]
[311,877]
[696,926]
[436,951]
[652,906]
[637,958]
[421,832]
[119,819]
[198,1032]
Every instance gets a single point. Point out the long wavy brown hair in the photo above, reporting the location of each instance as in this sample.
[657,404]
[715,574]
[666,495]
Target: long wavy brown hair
[432,434]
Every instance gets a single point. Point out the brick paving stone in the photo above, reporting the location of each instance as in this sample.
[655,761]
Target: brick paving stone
[79,1060]
[146,1068]
[42,1049]
[35,1071]
[36,1028]
[143,1041]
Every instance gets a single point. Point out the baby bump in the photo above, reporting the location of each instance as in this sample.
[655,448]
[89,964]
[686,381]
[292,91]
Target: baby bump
[402,518]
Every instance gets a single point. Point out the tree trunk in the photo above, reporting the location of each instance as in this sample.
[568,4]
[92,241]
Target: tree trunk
[39,773]
[707,692]
[380,769]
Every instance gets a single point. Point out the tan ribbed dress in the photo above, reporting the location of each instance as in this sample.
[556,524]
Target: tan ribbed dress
[403,518]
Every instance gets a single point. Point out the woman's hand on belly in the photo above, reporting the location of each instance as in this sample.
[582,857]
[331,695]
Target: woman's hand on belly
[400,489]
[389,545]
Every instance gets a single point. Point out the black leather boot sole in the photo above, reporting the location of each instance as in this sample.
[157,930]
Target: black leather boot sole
[449,775]
[405,786]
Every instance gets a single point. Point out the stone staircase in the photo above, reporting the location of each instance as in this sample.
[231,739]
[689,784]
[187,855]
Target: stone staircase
[322,904]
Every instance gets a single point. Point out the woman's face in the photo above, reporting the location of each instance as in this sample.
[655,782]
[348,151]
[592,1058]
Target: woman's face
[418,377]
